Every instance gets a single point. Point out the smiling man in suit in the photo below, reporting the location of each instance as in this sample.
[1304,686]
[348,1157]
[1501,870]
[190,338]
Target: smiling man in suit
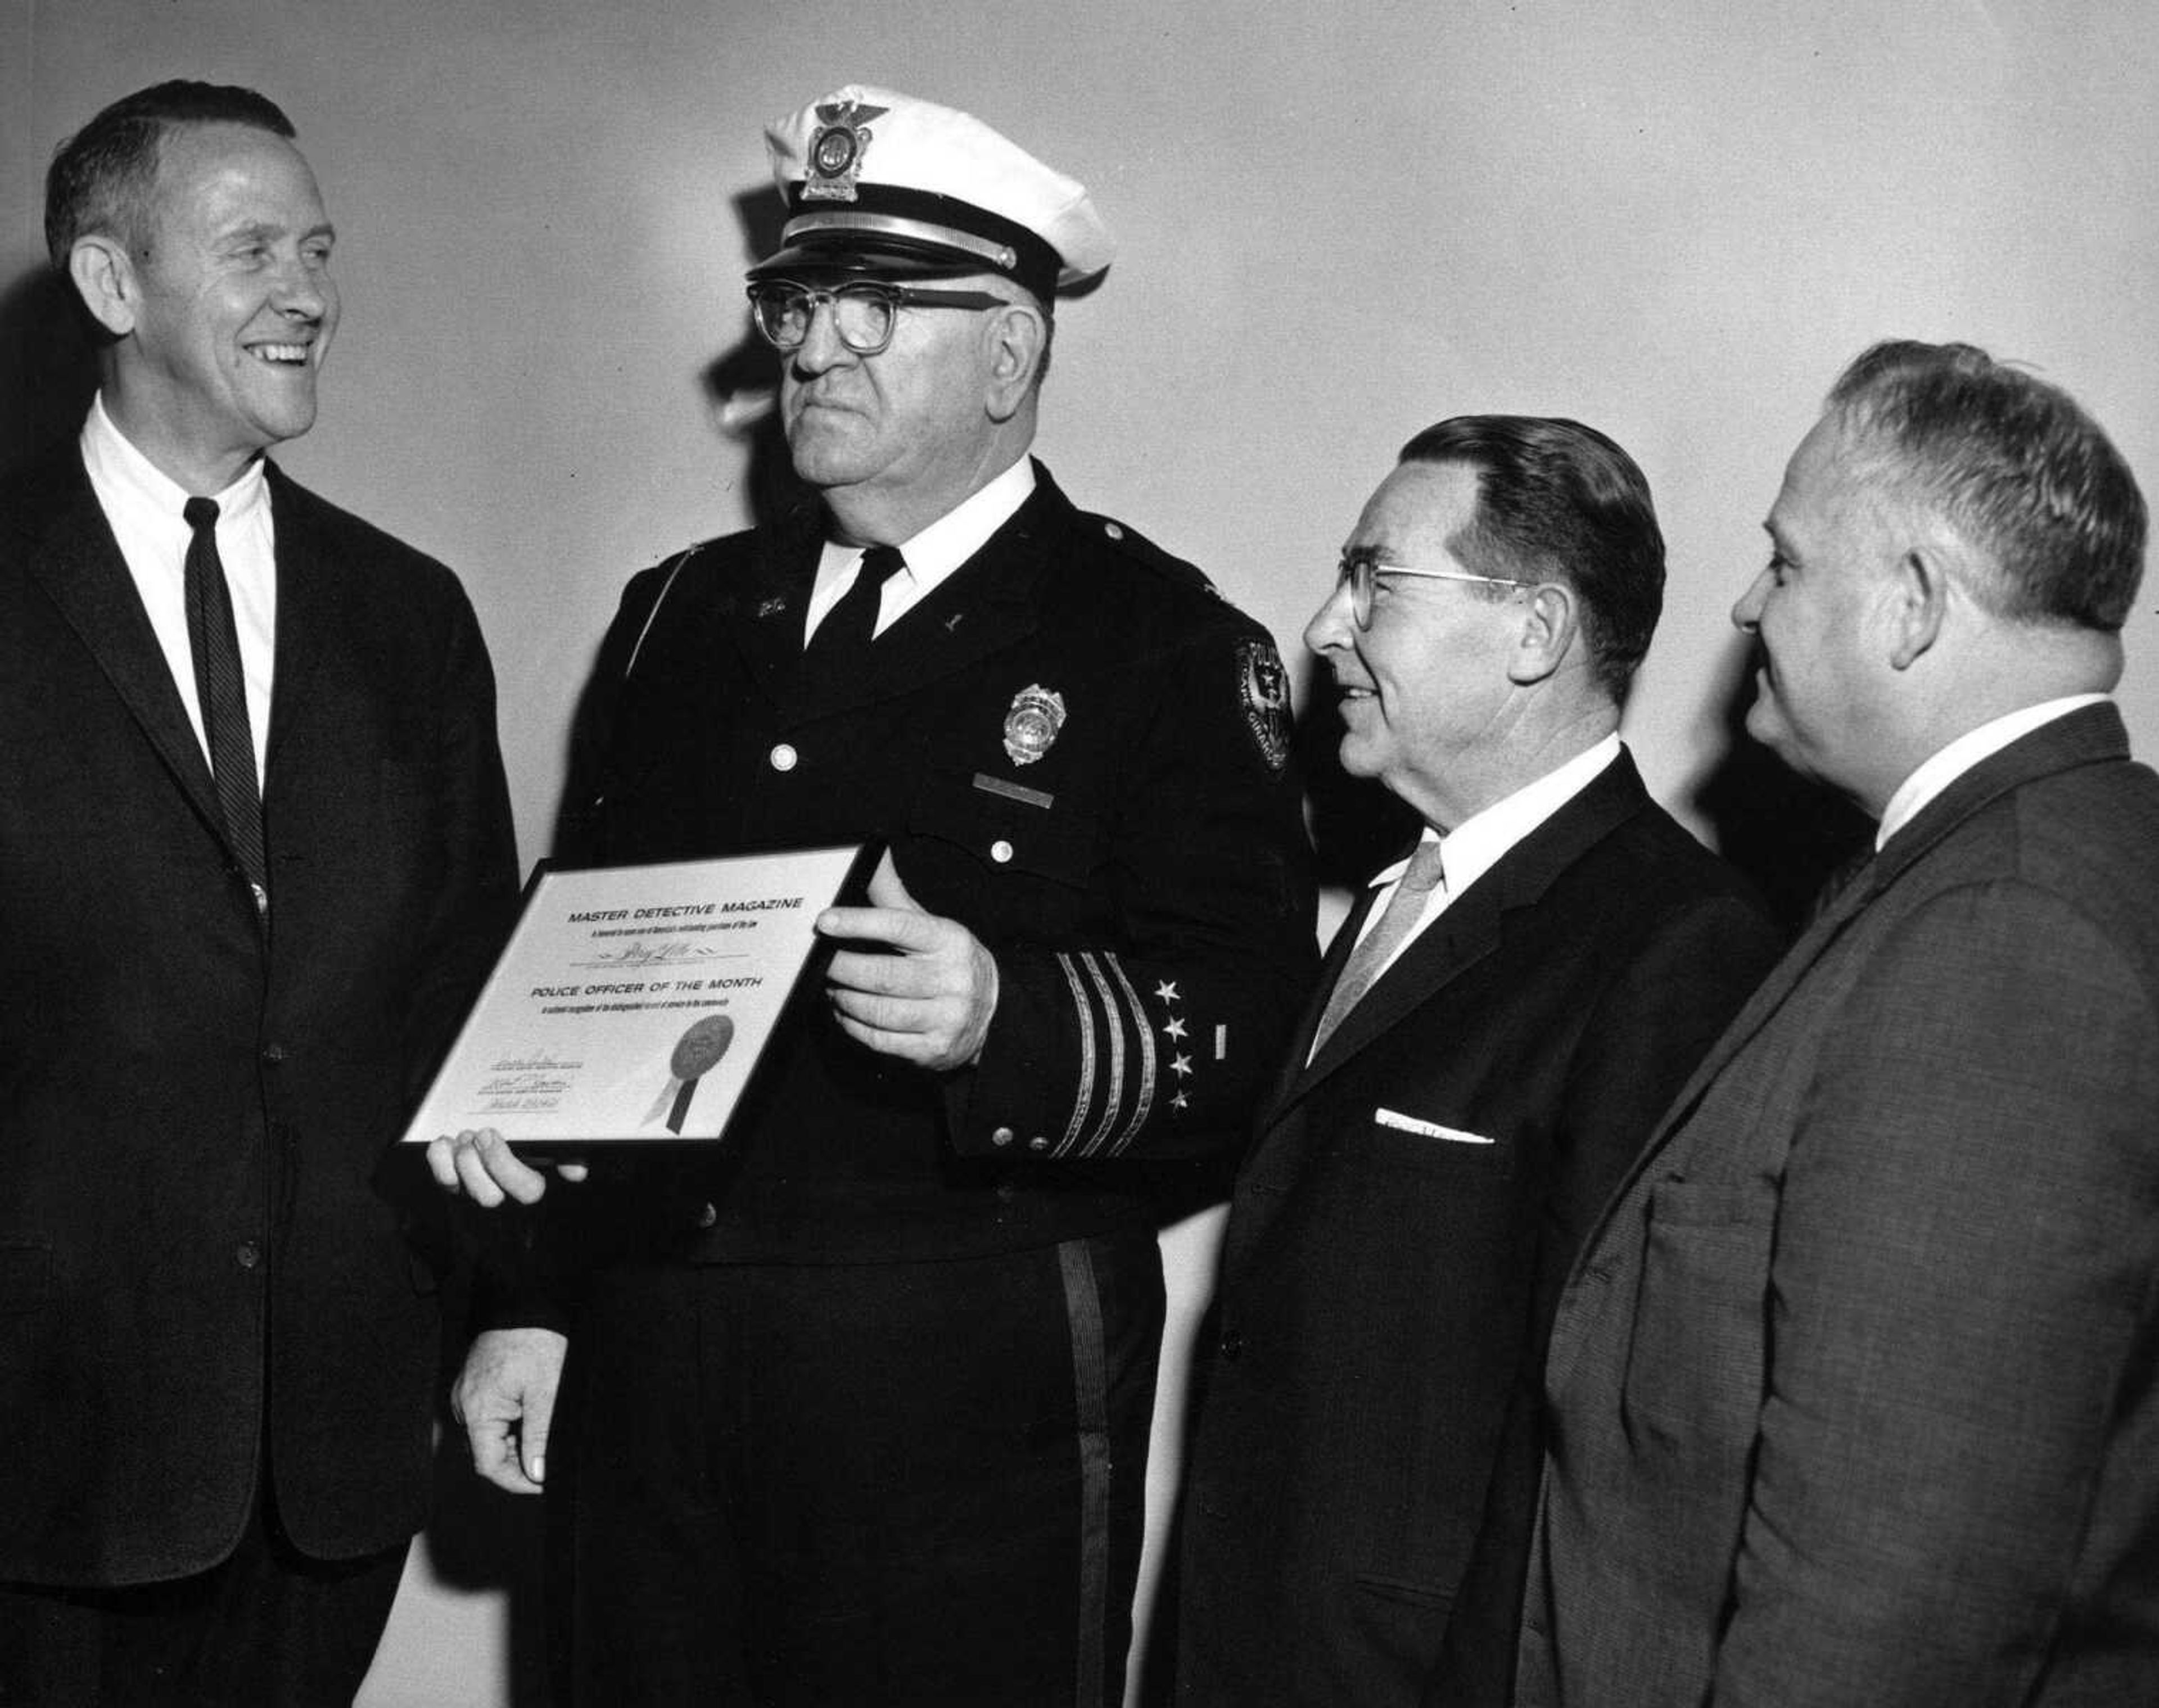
[217,994]
[1501,1019]
[1856,1386]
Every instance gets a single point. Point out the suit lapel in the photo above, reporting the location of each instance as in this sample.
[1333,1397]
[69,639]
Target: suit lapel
[305,620]
[1468,930]
[2087,736]
[1330,974]
[78,562]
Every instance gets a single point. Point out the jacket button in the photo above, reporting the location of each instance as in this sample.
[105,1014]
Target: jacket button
[1003,1137]
[1037,1143]
[1001,851]
[784,758]
[1233,1345]
[708,1216]
[247,1253]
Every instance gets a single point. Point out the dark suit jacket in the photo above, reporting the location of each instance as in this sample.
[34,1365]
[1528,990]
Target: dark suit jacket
[194,1201]
[1856,1387]
[1358,1500]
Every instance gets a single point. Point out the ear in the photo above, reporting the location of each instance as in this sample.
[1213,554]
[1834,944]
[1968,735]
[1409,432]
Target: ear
[1918,604]
[103,274]
[1552,623]
[1017,336]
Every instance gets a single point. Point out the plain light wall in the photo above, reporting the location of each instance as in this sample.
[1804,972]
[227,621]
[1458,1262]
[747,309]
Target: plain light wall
[1340,219]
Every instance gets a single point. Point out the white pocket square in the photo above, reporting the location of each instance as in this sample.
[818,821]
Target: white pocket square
[1425,1128]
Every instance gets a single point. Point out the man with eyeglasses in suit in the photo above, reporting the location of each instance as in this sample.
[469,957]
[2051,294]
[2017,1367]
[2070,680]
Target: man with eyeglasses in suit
[1497,1025]
[861,1412]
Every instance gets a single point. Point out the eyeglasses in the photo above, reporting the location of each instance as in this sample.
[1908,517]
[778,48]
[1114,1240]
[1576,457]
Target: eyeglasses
[1360,572]
[864,313]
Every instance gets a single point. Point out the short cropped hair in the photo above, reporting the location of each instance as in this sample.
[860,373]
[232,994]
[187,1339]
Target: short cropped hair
[2015,467]
[1559,501]
[102,178]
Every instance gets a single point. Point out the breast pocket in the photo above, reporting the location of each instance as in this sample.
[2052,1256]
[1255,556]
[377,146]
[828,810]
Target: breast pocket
[1400,1138]
[1007,828]
[1694,1370]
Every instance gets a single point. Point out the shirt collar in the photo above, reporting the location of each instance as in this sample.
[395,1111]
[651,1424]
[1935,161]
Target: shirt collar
[114,461]
[958,535]
[1476,844]
[1936,773]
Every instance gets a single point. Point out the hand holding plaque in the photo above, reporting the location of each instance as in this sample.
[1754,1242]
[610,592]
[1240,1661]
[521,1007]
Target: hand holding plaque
[619,981]
[931,1002]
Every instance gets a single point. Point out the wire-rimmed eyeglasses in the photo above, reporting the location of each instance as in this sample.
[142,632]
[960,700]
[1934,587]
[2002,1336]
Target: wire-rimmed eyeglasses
[1360,572]
[864,311]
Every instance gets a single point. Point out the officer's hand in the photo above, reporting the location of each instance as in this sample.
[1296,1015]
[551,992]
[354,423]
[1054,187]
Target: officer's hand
[482,1165]
[504,1397]
[931,1002]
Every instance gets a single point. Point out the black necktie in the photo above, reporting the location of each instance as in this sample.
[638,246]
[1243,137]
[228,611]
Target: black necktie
[221,691]
[841,643]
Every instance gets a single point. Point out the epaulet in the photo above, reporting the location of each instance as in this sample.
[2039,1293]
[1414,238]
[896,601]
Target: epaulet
[1135,545]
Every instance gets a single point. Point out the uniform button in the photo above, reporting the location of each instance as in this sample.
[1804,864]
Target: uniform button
[1113,531]
[707,1214]
[784,758]
[273,1053]
[1003,1137]
[1233,1345]
[1001,851]
[1037,1143]
[247,1253]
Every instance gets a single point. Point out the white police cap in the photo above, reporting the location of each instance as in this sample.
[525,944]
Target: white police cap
[880,182]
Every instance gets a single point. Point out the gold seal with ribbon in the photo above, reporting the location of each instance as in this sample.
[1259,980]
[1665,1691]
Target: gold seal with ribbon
[695,1055]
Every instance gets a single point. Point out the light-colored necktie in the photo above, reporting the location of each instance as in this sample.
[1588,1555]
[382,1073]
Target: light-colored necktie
[1368,959]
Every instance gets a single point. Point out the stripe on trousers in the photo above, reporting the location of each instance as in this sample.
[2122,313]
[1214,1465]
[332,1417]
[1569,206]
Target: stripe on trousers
[1090,1383]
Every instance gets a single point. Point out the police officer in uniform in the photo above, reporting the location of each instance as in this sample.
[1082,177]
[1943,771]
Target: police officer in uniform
[857,1410]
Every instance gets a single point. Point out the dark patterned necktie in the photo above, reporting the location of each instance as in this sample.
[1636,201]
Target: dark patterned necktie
[1426,873]
[221,692]
[841,642]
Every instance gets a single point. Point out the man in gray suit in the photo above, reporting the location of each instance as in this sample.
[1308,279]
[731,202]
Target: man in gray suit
[1856,1388]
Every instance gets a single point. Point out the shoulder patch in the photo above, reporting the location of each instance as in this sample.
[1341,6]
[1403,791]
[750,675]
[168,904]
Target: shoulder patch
[1263,687]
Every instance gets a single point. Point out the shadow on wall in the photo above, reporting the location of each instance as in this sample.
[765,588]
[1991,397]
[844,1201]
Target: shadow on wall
[735,384]
[1787,834]
[48,369]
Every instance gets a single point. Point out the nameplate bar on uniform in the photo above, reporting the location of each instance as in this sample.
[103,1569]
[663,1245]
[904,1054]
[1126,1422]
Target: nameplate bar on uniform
[1013,791]
[1425,1128]
[632,1004]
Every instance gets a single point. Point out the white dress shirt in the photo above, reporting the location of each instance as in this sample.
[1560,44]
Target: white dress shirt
[1478,843]
[1944,768]
[144,507]
[931,555]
